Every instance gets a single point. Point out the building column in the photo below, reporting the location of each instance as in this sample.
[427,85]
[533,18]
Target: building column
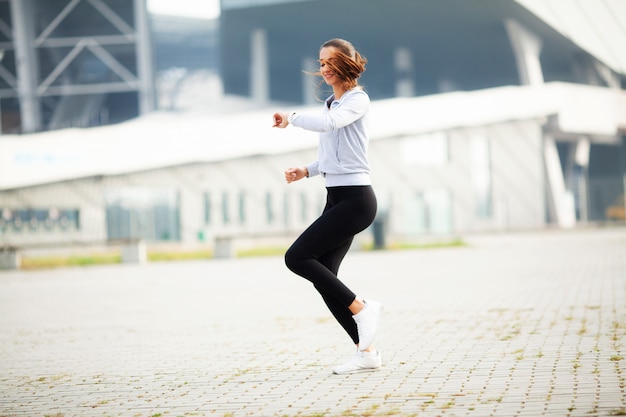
[259,68]
[145,61]
[22,14]
[308,82]
[526,47]
[403,65]
[561,200]
[581,157]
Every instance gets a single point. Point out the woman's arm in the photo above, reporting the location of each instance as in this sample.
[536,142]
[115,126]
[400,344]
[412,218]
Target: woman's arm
[352,108]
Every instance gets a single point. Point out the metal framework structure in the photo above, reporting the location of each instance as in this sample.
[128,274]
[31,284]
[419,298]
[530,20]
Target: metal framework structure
[66,60]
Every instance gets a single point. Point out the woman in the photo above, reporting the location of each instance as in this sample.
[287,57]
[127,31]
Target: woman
[350,204]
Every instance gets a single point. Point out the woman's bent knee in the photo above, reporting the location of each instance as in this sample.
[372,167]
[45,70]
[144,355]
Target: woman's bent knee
[292,261]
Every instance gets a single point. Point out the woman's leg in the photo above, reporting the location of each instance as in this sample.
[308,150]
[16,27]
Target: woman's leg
[342,314]
[317,254]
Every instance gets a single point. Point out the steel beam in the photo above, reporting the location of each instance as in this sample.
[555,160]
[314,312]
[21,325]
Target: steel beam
[27,41]
[22,14]
[145,60]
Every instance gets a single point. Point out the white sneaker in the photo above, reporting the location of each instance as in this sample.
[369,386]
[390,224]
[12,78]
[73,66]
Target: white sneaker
[367,321]
[360,362]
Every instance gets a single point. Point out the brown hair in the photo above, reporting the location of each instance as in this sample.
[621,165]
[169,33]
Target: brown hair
[346,62]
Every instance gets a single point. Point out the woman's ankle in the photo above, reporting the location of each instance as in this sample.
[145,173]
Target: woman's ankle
[357,306]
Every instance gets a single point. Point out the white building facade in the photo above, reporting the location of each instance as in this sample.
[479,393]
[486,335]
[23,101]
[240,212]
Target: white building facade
[503,145]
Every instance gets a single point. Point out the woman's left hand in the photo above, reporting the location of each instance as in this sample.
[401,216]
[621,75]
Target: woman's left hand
[295,174]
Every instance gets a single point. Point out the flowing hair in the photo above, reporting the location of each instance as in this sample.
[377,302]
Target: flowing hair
[346,62]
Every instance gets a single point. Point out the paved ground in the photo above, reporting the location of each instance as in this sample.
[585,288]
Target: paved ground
[513,325]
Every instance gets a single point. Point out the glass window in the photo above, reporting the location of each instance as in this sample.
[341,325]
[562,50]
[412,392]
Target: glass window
[304,210]
[140,213]
[10,221]
[69,218]
[225,208]
[481,176]
[286,209]
[439,210]
[242,207]
[429,212]
[39,219]
[269,210]
[207,208]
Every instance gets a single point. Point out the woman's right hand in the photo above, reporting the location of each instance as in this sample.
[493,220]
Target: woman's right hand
[295,174]
[281,120]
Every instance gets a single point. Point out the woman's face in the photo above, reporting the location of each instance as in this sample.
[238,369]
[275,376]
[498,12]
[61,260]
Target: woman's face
[329,76]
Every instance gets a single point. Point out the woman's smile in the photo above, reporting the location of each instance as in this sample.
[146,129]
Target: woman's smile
[329,75]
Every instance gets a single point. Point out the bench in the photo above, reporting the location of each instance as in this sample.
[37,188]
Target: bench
[132,250]
[225,243]
[10,258]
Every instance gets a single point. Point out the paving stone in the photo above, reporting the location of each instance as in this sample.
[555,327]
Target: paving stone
[527,325]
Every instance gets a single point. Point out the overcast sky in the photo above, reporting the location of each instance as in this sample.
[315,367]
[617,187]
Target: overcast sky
[207,9]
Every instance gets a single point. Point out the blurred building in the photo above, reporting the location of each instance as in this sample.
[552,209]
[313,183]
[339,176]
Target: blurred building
[422,47]
[182,42]
[90,63]
[488,115]
[74,63]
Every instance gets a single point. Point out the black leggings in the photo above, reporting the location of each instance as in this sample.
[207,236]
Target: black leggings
[317,254]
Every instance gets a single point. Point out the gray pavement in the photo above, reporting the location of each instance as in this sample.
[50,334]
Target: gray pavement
[531,324]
